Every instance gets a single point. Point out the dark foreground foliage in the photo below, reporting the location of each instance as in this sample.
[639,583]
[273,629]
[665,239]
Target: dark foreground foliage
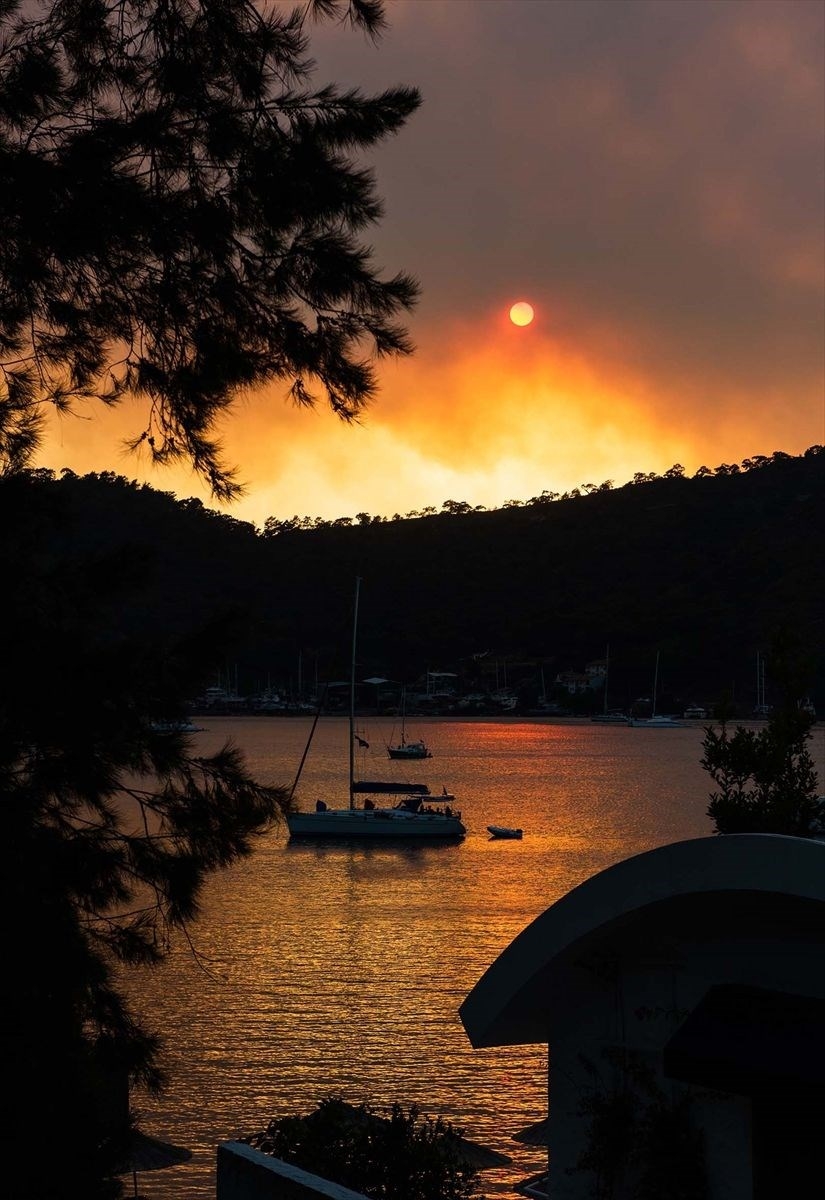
[401,1157]
[766,778]
[182,216]
[111,828]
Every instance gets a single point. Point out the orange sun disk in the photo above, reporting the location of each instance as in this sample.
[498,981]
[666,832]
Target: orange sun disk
[522,313]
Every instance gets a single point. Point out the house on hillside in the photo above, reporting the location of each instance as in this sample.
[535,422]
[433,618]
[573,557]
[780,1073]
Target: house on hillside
[596,671]
[574,682]
[591,679]
[681,994]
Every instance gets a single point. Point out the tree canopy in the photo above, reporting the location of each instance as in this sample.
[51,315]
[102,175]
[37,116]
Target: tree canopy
[181,219]
[403,1156]
[766,778]
[113,822]
[183,216]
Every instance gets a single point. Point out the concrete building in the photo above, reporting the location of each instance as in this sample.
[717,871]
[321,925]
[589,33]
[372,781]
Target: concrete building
[681,993]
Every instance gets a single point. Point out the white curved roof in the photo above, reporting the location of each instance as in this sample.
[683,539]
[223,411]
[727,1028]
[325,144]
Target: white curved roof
[753,878]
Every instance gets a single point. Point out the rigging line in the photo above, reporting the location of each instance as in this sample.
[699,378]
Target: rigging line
[309,741]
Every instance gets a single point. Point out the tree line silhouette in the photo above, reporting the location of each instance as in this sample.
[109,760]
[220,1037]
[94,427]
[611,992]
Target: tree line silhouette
[703,570]
[455,508]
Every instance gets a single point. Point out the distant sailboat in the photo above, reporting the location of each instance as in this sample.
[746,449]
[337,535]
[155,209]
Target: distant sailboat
[405,749]
[609,716]
[655,721]
[760,709]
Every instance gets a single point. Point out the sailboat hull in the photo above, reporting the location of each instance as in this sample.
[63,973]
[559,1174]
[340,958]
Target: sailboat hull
[411,750]
[378,823]
[417,816]
[656,720]
[656,723]
[405,749]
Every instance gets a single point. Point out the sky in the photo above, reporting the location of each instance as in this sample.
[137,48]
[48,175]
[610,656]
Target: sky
[647,174]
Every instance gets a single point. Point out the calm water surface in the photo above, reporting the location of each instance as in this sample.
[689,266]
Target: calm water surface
[340,968]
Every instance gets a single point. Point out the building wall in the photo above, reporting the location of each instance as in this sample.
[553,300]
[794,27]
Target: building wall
[631,1004]
[247,1174]
[725,1120]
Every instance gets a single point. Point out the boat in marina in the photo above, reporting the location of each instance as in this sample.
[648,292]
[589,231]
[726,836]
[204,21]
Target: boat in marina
[416,814]
[609,716]
[656,720]
[403,749]
[175,727]
[390,808]
[614,717]
[409,750]
[504,832]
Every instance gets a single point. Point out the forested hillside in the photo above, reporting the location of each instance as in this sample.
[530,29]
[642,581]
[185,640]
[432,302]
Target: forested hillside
[704,570]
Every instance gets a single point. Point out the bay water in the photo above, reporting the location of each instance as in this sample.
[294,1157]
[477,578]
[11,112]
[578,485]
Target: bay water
[319,969]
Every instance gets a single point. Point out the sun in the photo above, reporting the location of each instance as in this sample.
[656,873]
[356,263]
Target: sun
[522,313]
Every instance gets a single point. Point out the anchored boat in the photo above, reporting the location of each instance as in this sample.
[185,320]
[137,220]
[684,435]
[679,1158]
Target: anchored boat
[389,810]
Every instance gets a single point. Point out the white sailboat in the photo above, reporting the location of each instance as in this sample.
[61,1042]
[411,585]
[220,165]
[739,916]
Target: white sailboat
[609,716]
[405,749]
[760,709]
[415,814]
[655,720]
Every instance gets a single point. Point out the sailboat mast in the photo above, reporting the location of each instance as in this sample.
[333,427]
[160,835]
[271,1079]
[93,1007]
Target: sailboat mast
[655,683]
[758,697]
[352,697]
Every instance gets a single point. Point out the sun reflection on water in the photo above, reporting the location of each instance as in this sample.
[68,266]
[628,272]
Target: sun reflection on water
[340,968]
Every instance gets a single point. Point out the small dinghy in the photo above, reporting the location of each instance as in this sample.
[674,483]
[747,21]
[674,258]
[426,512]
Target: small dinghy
[503,831]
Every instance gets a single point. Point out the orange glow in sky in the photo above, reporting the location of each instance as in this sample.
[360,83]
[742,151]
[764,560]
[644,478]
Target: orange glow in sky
[475,415]
[682,262]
